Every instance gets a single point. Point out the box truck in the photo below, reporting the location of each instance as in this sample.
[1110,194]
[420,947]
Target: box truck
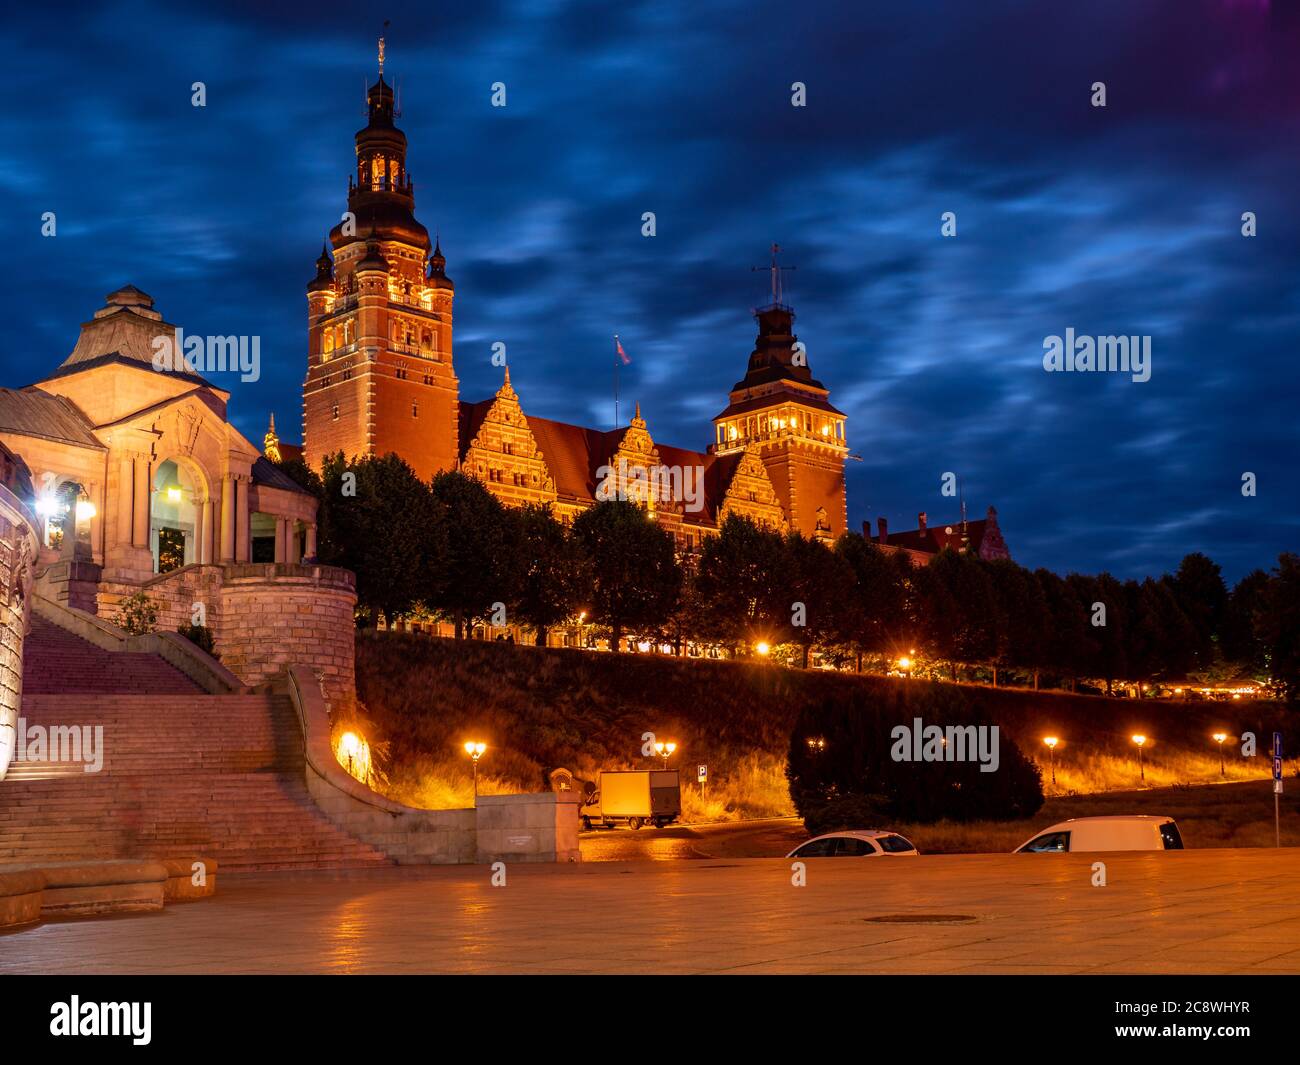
[635,797]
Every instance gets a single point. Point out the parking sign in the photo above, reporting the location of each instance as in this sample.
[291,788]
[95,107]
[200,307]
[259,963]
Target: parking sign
[703,773]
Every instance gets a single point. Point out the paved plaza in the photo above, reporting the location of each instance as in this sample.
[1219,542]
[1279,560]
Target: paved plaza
[1209,911]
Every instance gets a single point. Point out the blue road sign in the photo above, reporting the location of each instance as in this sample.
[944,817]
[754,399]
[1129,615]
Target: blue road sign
[1277,756]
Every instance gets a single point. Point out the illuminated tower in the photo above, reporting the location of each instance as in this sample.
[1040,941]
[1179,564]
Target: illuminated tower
[780,410]
[379,361]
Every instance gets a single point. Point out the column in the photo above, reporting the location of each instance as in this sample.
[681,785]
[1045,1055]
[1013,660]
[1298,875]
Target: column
[228,519]
[140,510]
[311,541]
[205,531]
[295,554]
[123,504]
[243,545]
[281,540]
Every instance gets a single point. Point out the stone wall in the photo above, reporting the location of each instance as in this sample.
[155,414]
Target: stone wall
[18,546]
[263,617]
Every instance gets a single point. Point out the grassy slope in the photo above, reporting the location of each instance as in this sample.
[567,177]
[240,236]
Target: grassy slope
[541,708]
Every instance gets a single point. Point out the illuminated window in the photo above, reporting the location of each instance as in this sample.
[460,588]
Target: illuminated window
[336,412]
[415,410]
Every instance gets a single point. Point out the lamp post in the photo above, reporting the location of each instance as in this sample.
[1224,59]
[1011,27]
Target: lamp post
[1141,740]
[664,750]
[905,664]
[1220,737]
[475,751]
[348,746]
[763,648]
[1051,742]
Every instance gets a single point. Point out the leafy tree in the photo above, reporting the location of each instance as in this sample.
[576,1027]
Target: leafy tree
[1023,611]
[960,609]
[814,581]
[555,582]
[636,577]
[1069,645]
[1241,643]
[737,583]
[874,617]
[479,563]
[1277,625]
[378,519]
[303,474]
[1203,599]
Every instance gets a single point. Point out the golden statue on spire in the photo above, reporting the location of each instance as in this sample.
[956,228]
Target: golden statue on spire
[381,50]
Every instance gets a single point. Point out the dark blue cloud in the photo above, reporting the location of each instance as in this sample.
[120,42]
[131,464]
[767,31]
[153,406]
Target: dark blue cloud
[1117,220]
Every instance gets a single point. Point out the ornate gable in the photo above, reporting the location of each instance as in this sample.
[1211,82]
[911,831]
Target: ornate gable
[504,455]
[751,495]
[631,471]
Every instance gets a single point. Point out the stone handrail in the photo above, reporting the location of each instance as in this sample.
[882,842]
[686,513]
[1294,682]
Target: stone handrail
[313,717]
[405,834]
[172,647]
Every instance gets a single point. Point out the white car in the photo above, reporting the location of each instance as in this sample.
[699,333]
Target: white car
[1120,832]
[873,843]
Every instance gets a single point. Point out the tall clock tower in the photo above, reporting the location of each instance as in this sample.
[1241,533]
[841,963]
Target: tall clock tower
[379,311]
[779,410]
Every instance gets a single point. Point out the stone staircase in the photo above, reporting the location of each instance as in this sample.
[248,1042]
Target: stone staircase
[183,772]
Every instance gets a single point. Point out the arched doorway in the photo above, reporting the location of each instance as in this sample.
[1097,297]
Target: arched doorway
[175,506]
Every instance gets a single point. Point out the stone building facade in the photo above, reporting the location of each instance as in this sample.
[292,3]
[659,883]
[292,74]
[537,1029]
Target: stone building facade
[139,481]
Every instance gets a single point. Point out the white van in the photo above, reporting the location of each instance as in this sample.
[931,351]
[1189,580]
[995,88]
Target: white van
[1125,832]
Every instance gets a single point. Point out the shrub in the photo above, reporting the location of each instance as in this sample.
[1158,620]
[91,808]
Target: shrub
[201,636]
[137,614]
[847,775]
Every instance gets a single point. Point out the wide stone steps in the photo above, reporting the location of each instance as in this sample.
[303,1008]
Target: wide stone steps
[56,661]
[183,772]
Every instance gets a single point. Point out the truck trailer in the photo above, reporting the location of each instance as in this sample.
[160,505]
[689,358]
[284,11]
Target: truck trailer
[635,797]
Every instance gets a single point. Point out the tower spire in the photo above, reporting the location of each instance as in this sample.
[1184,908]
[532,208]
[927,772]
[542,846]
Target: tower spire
[381,49]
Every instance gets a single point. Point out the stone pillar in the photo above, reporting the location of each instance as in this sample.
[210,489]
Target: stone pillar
[243,544]
[228,519]
[140,508]
[125,507]
[311,541]
[281,540]
[295,547]
[205,532]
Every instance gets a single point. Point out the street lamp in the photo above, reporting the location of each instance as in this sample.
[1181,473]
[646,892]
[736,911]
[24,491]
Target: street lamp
[1051,742]
[1220,737]
[349,745]
[763,648]
[1141,740]
[475,751]
[816,744]
[665,750]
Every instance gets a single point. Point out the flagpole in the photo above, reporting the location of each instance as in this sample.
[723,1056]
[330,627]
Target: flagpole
[616,365]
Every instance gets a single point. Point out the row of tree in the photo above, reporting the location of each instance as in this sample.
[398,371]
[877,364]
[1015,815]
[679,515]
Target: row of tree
[451,549]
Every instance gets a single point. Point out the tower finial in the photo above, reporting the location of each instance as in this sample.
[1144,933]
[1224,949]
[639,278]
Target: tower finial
[381,49]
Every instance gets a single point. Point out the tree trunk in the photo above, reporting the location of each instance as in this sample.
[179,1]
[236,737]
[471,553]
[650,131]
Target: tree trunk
[460,624]
[542,632]
[807,650]
[995,676]
[1035,680]
[858,667]
[616,638]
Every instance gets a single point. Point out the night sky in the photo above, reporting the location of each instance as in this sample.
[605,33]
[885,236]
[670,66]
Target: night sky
[1117,220]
